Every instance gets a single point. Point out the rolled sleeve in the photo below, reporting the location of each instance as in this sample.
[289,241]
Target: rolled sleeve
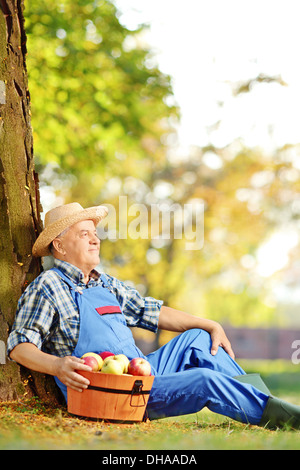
[23,336]
[139,311]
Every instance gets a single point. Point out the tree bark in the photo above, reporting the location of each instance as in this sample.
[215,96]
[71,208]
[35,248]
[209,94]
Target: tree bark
[20,207]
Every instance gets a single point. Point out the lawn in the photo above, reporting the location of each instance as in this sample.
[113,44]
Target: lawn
[30,424]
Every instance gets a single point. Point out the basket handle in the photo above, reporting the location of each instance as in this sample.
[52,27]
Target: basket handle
[137,390]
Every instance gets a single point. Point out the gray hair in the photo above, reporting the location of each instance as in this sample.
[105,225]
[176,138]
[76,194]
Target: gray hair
[61,235]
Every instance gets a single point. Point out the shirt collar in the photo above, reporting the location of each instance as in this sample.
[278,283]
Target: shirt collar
[75,273]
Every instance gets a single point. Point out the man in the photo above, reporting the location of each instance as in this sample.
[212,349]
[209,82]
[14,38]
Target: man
[72,309]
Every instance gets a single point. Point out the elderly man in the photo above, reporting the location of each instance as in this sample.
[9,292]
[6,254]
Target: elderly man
[71,309]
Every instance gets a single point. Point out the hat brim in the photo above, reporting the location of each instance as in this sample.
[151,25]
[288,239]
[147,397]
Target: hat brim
[42,244]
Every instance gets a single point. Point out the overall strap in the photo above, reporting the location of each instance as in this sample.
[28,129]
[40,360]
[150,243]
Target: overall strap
[65,278]
[104,280]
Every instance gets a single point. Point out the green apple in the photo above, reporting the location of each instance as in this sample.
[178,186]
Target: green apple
[124,359]
[112,366]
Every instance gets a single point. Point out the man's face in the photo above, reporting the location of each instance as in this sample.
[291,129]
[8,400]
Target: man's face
[81,246]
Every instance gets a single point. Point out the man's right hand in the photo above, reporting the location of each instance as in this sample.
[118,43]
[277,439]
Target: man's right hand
[65,368]
[66,371]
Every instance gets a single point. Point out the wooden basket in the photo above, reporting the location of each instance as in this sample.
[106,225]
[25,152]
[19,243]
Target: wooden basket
[111,397]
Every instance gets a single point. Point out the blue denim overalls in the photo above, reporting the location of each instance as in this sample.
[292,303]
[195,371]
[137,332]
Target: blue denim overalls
[187,377]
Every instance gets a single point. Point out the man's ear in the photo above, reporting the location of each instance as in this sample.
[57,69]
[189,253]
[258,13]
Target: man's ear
[58,246]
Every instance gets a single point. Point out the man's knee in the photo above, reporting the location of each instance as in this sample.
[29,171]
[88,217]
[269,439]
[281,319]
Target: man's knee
[196,334]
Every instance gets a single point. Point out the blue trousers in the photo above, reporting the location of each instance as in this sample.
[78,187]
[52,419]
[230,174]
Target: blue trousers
[188,378]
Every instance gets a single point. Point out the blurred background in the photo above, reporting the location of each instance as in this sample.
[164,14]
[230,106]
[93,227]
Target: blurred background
[167,102]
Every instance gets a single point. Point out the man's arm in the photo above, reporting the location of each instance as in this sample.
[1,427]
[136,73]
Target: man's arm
[176,320]
[64,368]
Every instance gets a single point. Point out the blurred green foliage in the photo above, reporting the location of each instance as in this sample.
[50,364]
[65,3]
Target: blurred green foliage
[97,95]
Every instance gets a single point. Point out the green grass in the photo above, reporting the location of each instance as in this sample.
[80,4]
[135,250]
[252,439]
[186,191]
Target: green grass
[30,424]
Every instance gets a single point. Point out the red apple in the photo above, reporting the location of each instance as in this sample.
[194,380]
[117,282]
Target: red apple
[105,354]
[96,356]
[91,362]
[139,366]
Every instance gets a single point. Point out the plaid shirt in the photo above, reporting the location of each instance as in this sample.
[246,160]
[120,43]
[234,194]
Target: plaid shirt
[48,317]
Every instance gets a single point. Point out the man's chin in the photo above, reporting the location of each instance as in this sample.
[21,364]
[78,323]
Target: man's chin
[95,257]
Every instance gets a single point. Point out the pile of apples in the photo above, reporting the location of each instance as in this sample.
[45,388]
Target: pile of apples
[118,364]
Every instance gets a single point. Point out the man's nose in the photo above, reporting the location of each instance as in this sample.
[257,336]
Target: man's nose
[95,240]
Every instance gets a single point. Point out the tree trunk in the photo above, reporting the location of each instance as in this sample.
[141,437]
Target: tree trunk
[19,193]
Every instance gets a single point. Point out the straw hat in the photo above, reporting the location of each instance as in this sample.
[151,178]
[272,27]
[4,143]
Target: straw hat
[59,219]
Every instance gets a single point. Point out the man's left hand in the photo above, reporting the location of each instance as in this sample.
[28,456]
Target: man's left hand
[219,338]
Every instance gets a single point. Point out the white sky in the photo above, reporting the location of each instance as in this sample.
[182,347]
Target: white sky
[205,45]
